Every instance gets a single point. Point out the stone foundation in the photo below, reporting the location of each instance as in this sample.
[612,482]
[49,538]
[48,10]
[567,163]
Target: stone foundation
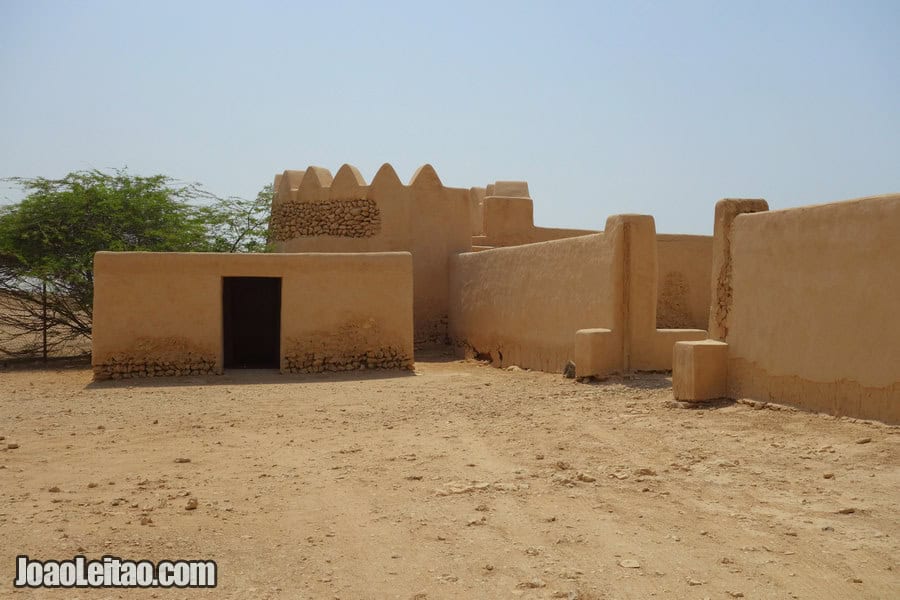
[127,368]
[338,218]
[431,332]
[157,357]
[318,362]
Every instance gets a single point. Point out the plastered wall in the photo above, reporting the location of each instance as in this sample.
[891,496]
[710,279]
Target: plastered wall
[507,213]
[161,313]
[683,288]
[812,317]
[425,218]
[523,305]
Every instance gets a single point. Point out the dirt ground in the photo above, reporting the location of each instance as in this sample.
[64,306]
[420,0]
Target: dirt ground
[460,481]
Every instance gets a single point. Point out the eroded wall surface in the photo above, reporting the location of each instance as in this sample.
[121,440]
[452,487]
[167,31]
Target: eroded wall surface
[161,313]
[315,212]
[684,266]
[813,317]
[522,305]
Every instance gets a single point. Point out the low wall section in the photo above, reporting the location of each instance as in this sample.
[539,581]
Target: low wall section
[807,308]
[161,313]
[509,221]
[530,305]
[523,305]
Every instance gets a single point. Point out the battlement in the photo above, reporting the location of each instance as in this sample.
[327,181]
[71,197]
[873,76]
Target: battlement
[316,184]
[313,203]
[314,211]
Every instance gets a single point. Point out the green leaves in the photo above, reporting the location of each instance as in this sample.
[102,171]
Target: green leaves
[239,225]
[51,236]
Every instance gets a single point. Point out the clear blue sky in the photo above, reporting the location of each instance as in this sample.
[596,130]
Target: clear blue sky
[603,107]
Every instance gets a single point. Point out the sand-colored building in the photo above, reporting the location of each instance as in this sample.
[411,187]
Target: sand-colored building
[363,274]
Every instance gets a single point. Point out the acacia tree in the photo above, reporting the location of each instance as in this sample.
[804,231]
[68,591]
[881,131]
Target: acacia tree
[48,241]
[239,225]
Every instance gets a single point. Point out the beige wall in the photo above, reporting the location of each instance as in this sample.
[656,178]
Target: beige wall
[813,318]
[166,308]
[527,302]
[685,264]
[425,218]
[509,221]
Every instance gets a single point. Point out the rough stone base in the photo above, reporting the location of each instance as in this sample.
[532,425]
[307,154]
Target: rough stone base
[318,362]
[431,332]
[128,368]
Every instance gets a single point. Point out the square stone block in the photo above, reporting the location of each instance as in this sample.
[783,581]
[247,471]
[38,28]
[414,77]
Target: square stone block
[700,370]
[597,352]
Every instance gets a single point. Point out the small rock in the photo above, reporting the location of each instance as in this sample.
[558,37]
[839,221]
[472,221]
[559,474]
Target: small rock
[864,440]
[855,580]
[569,370]
[736,594]
[54,489]
[828,475]
[694,582]
[146,520]
[191,504]
[562,465]
[847,511]
[93,484]
[533,584]
[629,563]
[645,472]
[182,460]
[12,446]
[488,567]
[585,478]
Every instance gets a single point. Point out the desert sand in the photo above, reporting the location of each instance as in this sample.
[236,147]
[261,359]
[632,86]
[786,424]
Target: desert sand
[457,481]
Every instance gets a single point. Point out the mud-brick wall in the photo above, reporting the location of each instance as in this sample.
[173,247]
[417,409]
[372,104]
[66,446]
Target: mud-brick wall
[426,218]
[522,305]
[683,289]
[812,315]
[159,314]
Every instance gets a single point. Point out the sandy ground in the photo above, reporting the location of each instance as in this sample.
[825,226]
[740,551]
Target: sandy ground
[461,481]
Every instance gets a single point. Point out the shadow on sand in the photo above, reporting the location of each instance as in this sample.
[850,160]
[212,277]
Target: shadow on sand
[243,377]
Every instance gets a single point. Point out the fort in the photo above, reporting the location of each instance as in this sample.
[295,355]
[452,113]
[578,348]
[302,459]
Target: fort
[792,306]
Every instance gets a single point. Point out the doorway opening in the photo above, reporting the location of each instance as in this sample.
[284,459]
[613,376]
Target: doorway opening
[251,322]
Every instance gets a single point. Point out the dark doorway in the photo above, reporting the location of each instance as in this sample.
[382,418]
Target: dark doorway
[251,322]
